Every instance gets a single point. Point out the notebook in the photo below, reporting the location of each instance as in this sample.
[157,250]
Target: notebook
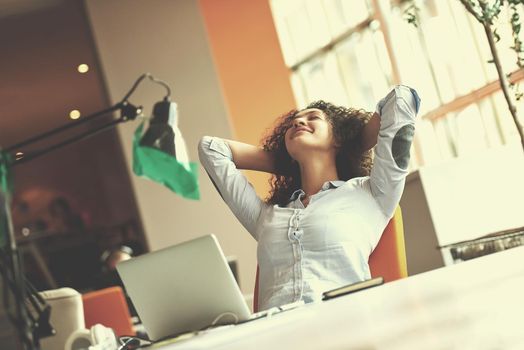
[182,288]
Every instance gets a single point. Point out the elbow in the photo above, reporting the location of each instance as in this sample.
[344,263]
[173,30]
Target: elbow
[401,145]
[205,140]
[203,145]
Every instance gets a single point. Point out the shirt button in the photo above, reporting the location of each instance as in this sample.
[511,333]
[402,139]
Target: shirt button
[295,235]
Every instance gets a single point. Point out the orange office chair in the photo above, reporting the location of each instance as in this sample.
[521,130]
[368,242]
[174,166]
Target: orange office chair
[389,257]
[387,260]
[108,307]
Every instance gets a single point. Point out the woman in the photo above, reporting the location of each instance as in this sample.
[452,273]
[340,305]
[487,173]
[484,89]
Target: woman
[328,206]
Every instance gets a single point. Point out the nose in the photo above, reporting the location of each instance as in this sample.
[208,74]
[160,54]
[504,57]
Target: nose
[299,122]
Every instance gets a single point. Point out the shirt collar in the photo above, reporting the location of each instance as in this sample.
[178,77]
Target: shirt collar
[326,186]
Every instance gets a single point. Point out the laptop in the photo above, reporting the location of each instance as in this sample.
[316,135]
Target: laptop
[183,288]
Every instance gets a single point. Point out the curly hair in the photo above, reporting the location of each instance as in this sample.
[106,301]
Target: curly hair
[351,160]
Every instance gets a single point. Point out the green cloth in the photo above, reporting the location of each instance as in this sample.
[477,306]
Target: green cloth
[163,168]
[5,178]
[6,188]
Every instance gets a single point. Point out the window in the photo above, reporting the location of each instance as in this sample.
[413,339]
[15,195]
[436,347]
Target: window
[353,52]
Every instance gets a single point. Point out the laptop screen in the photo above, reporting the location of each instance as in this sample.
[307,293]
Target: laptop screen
[183,288]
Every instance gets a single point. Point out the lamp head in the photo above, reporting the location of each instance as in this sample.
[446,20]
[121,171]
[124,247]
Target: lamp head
[160,133]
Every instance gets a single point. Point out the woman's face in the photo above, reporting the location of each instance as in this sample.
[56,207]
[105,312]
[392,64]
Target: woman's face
[310,131]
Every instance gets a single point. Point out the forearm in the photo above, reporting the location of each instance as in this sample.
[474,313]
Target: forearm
[397,113]
[216,157]
[370,132]
[249,157]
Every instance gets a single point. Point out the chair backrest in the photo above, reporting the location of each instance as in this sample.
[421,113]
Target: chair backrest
[108,307]
[387,260]
[389,257]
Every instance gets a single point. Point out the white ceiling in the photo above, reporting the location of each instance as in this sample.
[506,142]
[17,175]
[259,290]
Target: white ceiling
[13,7]
[40,84]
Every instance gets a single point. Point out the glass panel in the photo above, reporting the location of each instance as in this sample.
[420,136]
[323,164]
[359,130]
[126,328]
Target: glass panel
[318,34]
[302,27]
[362,58]
[280,10]
[301,33]
[444,139]
[489,117]
[472,38]
[298,90]
[413,160]
[448,48]
[509,131]
[412,61]
[382,57]
[344,14]
[468,131]
[427,142]
[322,80]
[448,33]
[506,54]
[445,58]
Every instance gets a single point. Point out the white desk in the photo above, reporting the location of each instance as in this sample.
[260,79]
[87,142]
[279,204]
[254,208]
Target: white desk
[477,304]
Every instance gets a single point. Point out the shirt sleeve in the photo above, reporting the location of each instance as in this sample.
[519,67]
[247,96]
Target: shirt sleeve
[232,185]
[397,113]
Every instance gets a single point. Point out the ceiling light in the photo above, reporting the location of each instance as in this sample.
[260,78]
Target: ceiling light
[74,114]
[83,68]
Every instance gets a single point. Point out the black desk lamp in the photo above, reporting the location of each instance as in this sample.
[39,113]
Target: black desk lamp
[153,155]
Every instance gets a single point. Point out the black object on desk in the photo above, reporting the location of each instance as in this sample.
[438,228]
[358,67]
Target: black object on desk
[352,288]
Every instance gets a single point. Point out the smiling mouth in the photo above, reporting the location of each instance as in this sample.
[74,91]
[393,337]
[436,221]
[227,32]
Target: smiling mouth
[300,130]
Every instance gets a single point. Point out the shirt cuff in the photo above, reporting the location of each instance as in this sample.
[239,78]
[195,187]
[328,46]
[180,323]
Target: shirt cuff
[403,91]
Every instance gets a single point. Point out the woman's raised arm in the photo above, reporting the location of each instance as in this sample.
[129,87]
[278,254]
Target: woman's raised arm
[249,157]
[222,160]
[396,113]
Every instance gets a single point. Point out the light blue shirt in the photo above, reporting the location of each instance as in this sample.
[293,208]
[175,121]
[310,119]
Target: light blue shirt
[304,251]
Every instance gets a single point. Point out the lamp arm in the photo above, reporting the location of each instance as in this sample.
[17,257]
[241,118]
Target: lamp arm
[61,128]
[128,112]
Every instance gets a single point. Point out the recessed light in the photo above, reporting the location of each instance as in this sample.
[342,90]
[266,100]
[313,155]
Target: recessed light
[83,68]
[74,114]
